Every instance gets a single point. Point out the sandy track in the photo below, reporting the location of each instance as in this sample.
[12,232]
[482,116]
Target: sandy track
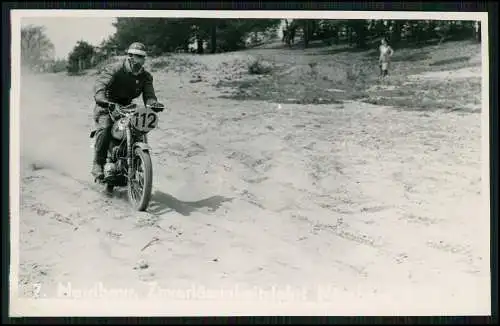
[367,199]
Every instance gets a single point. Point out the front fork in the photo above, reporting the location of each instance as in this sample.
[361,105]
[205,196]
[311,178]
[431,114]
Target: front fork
[130,156]
[130,150]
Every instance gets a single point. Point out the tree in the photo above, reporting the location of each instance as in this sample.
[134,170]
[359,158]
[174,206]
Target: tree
[359,27]
[169,34]
[397,26]
[109,46]
[81,57]
[36,47]
[158,34]
[309,27]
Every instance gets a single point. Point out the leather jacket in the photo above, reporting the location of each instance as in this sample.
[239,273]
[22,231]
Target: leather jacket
[116,84]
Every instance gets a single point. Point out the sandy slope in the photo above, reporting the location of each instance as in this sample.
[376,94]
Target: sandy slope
[383,206]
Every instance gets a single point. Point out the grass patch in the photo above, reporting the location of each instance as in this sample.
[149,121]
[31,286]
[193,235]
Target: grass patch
[354,75]
[449,61]
[305,84]
[411,57]
[175,63]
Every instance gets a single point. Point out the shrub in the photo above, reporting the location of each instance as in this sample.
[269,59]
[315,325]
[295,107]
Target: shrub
[259,67]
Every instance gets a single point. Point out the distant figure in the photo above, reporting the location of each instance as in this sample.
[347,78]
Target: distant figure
[386,53]
[291,34]
[477,31]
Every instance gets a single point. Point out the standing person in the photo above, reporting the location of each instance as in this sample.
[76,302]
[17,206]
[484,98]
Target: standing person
[291,34]
[386,53]
[118,84]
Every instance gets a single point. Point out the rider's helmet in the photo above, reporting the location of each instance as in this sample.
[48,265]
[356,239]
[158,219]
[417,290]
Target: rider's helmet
[136,55]
[137,48]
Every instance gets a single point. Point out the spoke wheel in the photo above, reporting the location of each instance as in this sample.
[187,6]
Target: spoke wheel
[140,185]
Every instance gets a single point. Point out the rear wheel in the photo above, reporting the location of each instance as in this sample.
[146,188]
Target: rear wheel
[141,183]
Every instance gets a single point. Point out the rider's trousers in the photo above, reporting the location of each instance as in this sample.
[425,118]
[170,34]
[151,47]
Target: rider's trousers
[103,134]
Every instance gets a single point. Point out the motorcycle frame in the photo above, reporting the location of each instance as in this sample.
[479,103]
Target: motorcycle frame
[133,139]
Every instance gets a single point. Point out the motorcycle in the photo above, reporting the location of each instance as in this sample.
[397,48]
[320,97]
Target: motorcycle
[128,161]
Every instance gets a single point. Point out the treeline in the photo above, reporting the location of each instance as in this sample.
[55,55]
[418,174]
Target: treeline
[220,35]
[360,33]
[163,35]
[197,35]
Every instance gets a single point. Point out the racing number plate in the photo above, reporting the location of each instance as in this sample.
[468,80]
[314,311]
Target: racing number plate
[144,119]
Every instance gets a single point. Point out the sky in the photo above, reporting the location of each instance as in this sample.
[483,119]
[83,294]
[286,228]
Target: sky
[64,32]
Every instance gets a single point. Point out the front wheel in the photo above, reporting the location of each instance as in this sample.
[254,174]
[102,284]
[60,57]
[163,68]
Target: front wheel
[141,183]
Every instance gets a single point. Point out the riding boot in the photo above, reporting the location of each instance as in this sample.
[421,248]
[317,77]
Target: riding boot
[97,171]
[100,153]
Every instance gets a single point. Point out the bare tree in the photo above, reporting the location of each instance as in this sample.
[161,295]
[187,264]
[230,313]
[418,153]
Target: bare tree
[36,48]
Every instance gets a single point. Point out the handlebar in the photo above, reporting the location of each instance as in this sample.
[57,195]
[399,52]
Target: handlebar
[127,109]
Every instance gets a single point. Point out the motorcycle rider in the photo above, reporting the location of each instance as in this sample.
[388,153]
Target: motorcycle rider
[118,84]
